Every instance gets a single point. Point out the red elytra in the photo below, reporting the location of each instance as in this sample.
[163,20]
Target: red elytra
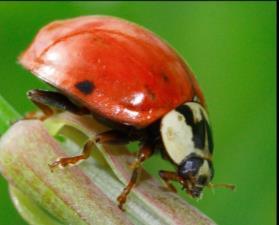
[115,68]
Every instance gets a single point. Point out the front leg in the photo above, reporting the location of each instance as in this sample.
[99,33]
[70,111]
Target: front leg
[167,177]
[144,153]
[50,101]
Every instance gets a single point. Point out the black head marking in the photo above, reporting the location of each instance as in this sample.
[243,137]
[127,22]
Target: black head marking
[201,129]
[86,87]
[187,112]
[211,169]
[209,138]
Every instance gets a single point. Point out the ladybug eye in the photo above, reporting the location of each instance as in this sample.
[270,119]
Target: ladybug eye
[190,167]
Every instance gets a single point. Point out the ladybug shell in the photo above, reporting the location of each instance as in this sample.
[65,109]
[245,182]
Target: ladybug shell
[113,67]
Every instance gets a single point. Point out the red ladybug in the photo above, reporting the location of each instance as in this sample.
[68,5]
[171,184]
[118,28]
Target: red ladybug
[130,79]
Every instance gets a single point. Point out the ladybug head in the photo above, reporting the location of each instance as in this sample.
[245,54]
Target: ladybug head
[195,173]
[187,138]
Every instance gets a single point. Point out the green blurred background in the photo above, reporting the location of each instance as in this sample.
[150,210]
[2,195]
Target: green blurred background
[230,47]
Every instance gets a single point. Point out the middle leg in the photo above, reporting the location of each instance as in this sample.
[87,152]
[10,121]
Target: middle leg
[144,153]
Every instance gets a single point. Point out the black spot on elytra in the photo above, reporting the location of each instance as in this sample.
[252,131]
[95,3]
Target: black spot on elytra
[86,87]
[165,77]
[201,129]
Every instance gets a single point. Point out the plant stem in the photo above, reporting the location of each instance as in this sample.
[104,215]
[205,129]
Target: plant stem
[8,115]
[85,194]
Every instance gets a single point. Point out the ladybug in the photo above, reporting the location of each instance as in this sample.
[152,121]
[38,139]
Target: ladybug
[128,78]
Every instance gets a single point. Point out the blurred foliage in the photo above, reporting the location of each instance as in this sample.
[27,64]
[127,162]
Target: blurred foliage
[231,47]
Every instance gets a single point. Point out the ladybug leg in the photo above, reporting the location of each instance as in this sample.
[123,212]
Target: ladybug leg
[112,137]
[74,160]
[168,176]
[144,153]
[50,102]
[107,137]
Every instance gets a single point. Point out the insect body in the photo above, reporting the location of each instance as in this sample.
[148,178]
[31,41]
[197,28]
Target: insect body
[127,77]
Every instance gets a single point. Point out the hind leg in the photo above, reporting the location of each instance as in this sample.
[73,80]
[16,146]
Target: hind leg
[50,102]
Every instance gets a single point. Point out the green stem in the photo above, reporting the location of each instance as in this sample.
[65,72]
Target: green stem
[85,194]
[8,115]
[29,210]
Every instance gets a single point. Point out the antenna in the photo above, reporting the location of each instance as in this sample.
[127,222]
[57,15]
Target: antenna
[227,186]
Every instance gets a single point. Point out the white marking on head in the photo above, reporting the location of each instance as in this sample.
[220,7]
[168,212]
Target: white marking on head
[204,169]
[196,109]
[178,135]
